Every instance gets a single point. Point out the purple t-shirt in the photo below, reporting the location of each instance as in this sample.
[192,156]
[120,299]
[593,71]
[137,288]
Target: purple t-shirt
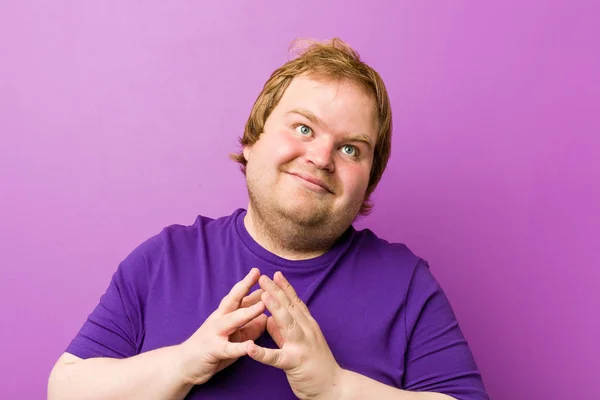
[382,312]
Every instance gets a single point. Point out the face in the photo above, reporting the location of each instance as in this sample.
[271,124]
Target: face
[311,165]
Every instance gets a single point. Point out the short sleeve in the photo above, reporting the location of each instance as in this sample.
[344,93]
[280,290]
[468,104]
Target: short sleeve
[438,358]
[115,328]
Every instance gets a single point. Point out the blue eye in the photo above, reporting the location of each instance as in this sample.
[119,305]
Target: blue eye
[349,150]
[303,130]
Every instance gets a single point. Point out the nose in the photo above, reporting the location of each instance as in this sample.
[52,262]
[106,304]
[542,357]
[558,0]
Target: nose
[320,154]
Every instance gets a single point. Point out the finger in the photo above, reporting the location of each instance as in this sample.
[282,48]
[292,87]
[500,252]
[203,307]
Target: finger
[275,332]
[272,357]
[269,286]
[234,350]
[252,298]
[290,330]
[297,307]
[233,299]
[286,287]
[253,329]
[229,323]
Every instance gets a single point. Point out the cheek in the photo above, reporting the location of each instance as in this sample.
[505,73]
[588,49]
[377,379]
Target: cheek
[272,152]
[284,148]
[355,179]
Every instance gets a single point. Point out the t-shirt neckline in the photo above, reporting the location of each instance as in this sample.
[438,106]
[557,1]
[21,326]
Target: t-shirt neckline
[311,264]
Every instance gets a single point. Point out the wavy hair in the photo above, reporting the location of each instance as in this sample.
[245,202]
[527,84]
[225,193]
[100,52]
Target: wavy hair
[332,60]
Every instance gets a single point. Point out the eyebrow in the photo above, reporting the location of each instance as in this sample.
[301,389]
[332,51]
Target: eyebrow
[352,137]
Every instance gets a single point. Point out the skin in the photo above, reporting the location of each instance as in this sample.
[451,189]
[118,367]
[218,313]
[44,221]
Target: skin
[305,356]
[323,131]
[168,372]
[307,177]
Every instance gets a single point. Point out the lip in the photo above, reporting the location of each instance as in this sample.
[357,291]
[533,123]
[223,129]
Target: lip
[312,180]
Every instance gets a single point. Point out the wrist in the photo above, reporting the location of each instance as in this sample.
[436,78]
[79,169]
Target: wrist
[341,388]
[183,366]
[346,385]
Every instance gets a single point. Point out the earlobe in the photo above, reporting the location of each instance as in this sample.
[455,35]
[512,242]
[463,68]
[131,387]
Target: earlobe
[246,152]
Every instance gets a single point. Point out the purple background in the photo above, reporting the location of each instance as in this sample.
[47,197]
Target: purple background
[116,118]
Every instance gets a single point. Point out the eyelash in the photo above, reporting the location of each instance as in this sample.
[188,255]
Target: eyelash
[356,151]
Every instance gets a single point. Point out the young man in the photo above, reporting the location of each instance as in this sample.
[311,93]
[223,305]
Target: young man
[350,315]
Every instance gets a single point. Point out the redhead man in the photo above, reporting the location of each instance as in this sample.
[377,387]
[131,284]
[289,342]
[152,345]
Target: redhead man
[285,299]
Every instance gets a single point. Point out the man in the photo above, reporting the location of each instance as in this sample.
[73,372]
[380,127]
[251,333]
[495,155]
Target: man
[350,315]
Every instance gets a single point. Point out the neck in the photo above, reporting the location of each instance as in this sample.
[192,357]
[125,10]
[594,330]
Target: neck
[284,239]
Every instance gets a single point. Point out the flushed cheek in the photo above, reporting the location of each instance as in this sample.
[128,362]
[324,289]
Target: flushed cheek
[285,150]
[354,182]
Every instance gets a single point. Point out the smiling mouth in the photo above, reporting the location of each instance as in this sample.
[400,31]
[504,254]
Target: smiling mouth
[311,183]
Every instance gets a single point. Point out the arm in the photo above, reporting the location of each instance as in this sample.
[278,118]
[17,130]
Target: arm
[438,357]
[313,372]
[156,374]
[356,386]
[168,372]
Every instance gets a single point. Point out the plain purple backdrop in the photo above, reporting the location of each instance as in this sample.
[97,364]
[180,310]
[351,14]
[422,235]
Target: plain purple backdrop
[117,117]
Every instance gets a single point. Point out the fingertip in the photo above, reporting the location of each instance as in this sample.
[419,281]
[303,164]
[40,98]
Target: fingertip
[259,305]
[280,277]
[250,347]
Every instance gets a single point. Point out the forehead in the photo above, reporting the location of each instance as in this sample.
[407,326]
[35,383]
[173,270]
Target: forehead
[343,106]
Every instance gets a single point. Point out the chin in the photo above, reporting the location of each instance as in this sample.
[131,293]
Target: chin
[306,213]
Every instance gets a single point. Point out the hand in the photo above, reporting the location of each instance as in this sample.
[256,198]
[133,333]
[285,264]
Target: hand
[225,334]
[304,355]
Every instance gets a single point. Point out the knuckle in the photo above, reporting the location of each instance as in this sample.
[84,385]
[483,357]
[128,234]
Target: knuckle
[245,302]
[238,286]
[274,304]
[310,335]
[277,359]
[227,300]
[216,325]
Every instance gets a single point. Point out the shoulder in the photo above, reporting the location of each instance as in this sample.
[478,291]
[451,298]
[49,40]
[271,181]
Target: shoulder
[395,262]
[175,243]
[185,237]
[396,255]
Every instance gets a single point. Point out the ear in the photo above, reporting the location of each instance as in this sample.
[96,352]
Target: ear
[246,152]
